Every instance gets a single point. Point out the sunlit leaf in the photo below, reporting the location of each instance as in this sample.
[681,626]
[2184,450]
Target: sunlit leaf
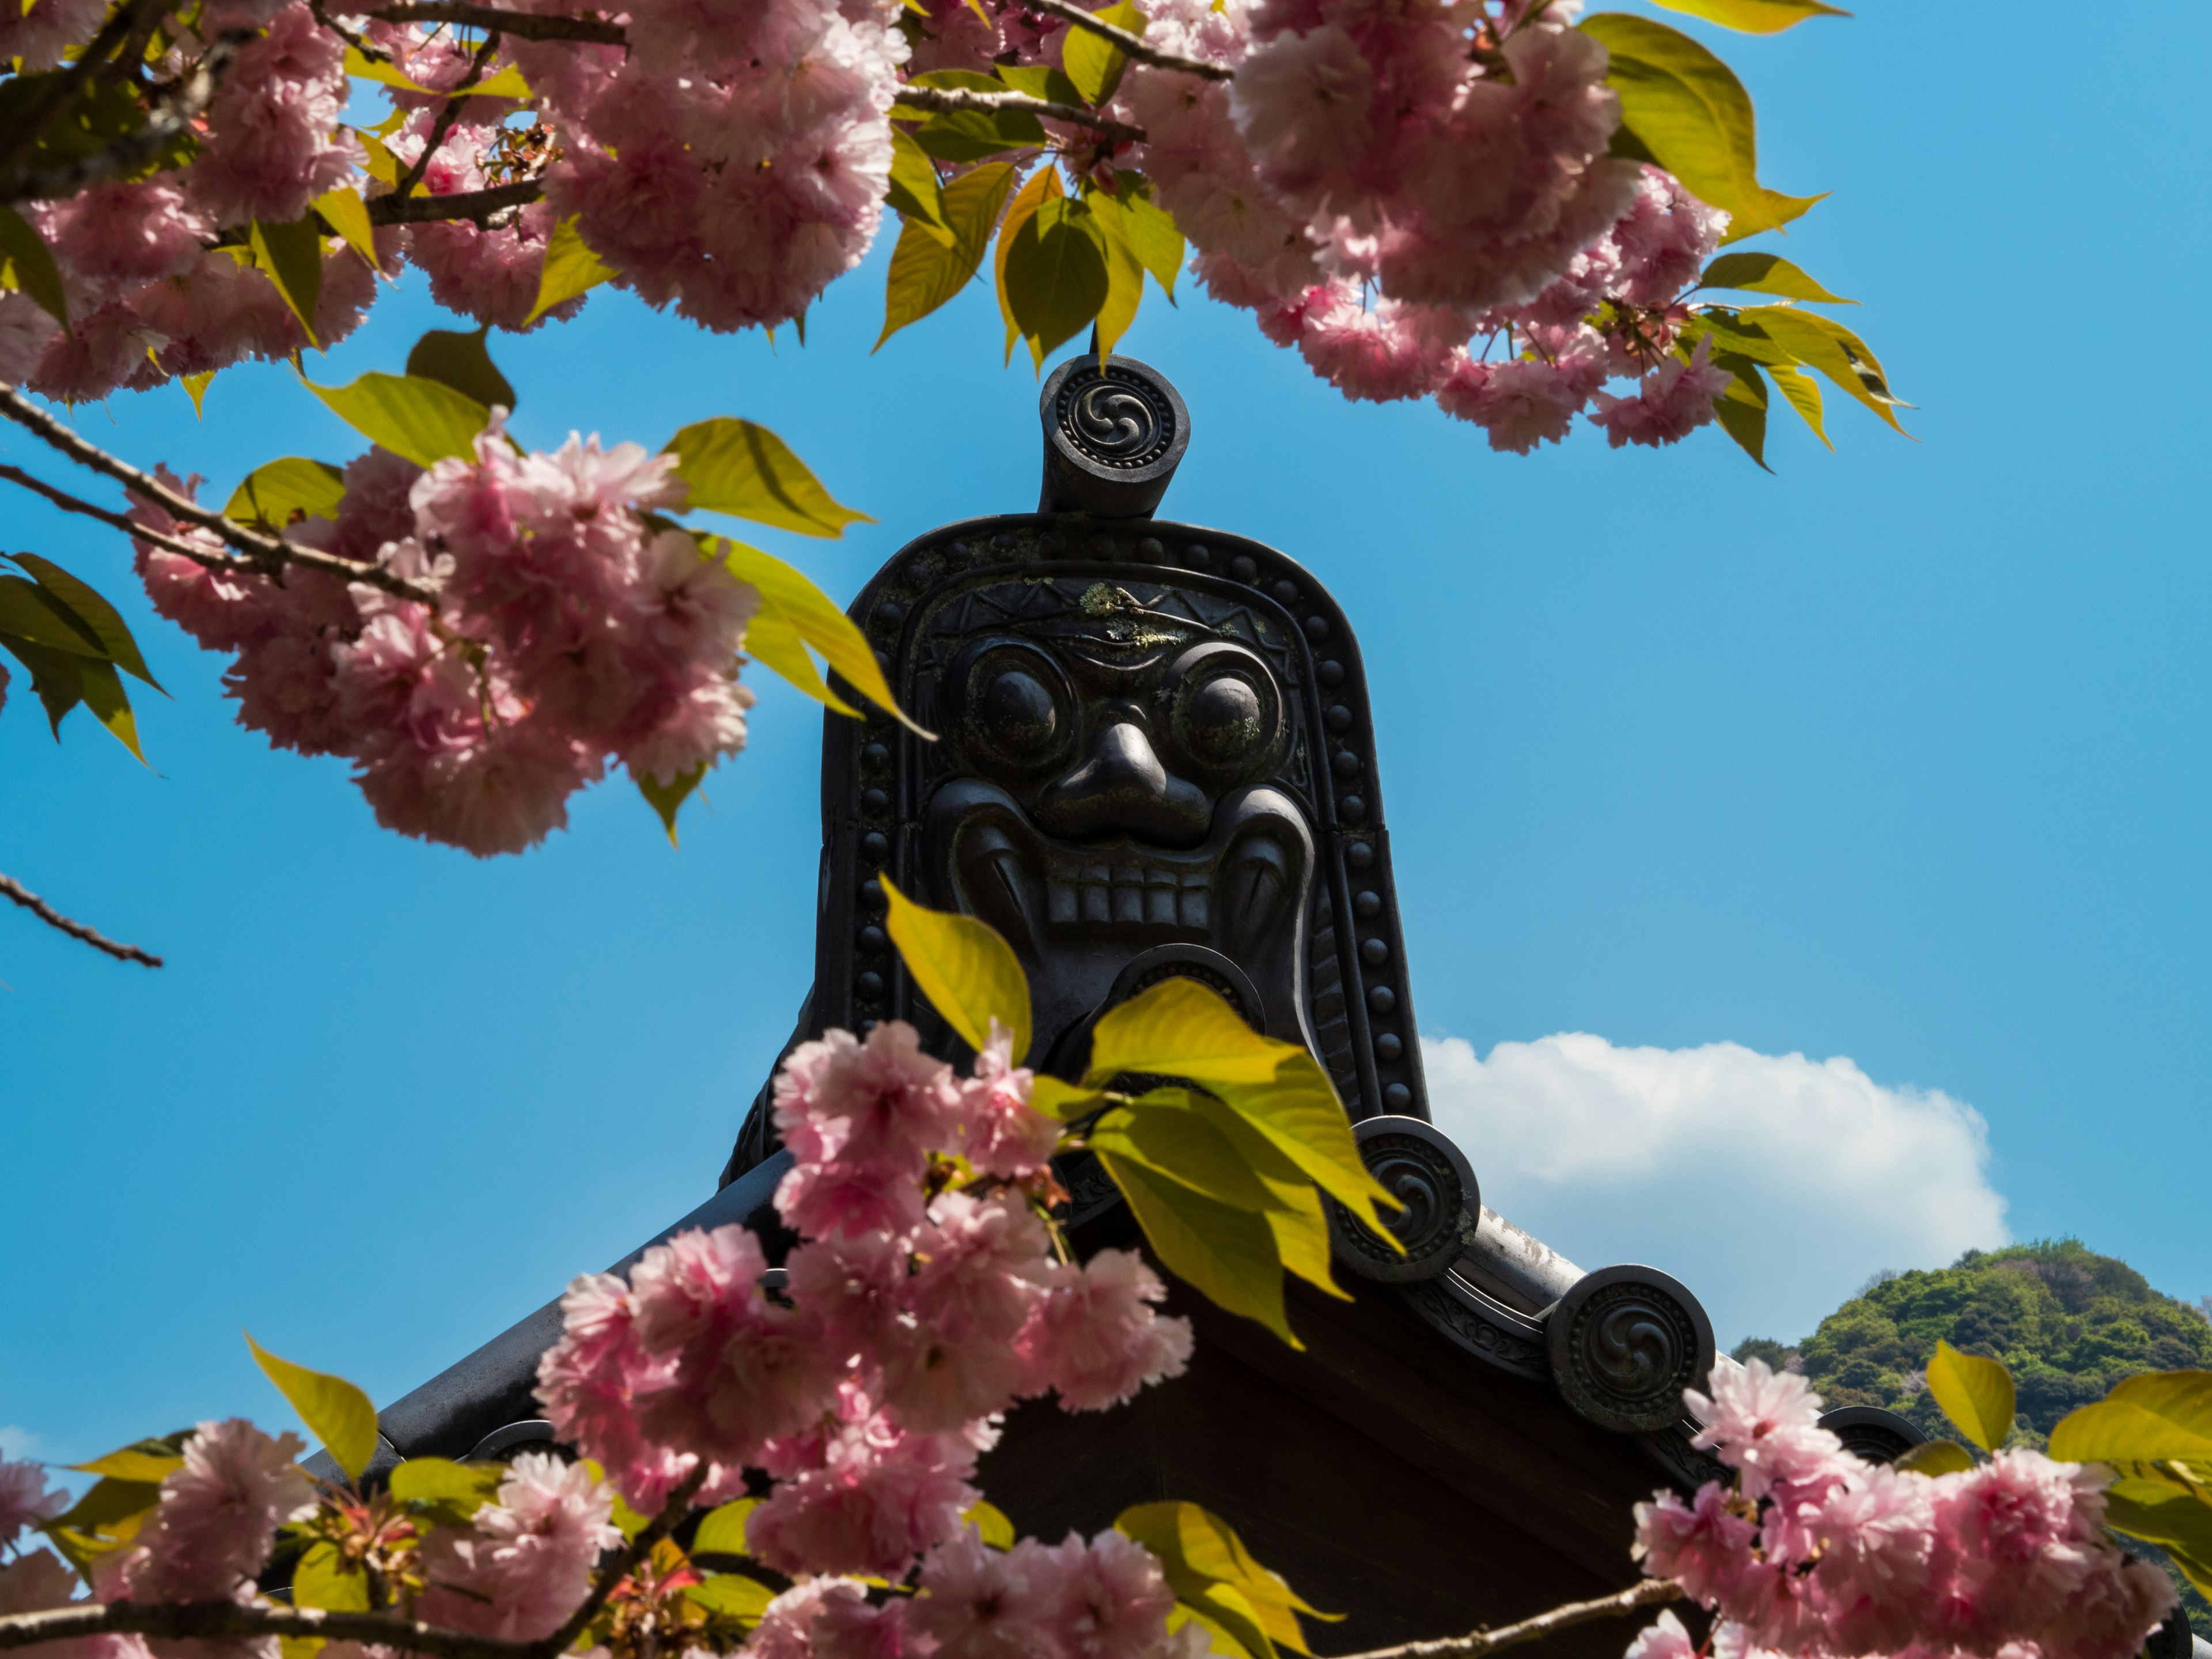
[722,1530]
[291,256]
[2153,1417]
[1975,1394]
[31,263]
[1095,63]
[929,266]
[732,1596]
[1755,16]
[344,212]
[86,607]
[422,420]
[990,1524]
[196,388]
[463,361]
[29,613]
[1767,273]
[54,677]
[1934,1457]
[508,83]
[335,1411]
[149,1462]
[815,618]
[2177,1521]
[1823,343]
[743,469]
[1201,1553]
[1691,115]
[1063,1101]
[571,268]
[1226,1254]
[1801,393]
[1125,272]
[969,975]
[1055,274]
[971,135]
[101,687]
[272,493]
[1741,411]
[322,1579]
[773,641]
[1042,185]
[1151,230]
[458,1489]
[666,799]
[1039,80]
[913,189]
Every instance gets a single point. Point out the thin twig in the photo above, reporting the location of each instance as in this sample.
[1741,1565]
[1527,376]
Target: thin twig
[446,117]
[1132,45]
[176,110]
[1649,1593]
[222,1619]
[211,559]
[10,888]
[263,553]
[987,103]
[476,204]
[523,25]
[360,43]
[623,1563]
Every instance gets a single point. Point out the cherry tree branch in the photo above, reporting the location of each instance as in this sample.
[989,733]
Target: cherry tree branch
[522,25]
[987,103]
[618,1566]
[1649,1593]
[55,96]
[263,553]
[10,888]
[446,117]
[228,1619]
[476,204]
[1131,45]
[68,503]
[176,107]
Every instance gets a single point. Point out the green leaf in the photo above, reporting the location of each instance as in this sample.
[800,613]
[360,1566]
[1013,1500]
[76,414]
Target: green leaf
[28,612]
[730,1595]
[990,1524]
[772,641]
[1975,1394]
[1055,274]
[463,363]
[508,83]
[1151,230]
[336,1413]
[1218,1636]
[1767,273]
[627,1521]
[1691,115]
[744,469]
[1062,1101]
[322,1579]
[817,622]
[457,1490]
[666,799]
[1094,62]
[913,189]
[966,971]
[973,135]
[1934,1457]
[2166,1515]
[1039,80]
[571,268]
[344,212]
[1163,1132]
[1226,1254]
[1201,1555]
[1125,272]
[101,687]
[93,613]
[197,386]
[54,677]
[423,420]
[722,1531]
[1755,16]
[930,265]
[955,80]
[1042,185]
[1741,410]
[149,1462]
[1293,1208]
[1826,344]
[292,257]
[272,494]
[2158,1416]
[32,264]
[1802,394]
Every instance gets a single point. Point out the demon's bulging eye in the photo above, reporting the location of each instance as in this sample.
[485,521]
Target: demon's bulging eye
[1015,709]
[1223,719]
[1225,706]
[1016,714]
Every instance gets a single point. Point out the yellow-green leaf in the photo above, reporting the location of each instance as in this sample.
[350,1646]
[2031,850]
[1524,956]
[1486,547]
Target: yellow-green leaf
[1755,16]
[1934,1457]
[291,256]
[1198,1551]
[33,264]
[732,1596]
[196,387]
[1039,80]
[336,1413]
[1229,1609]
[990,1524]
[86,606]
[667,799]
[1767,273]
[1180,1028]
[1055,274]
[2175,1519]
[932,263]
[422,420]
[1218,1639]
[383,165]
[29,612]
[2153,1417]
[571,268]
[1826,344]
[974,135]
[969,975]
[773,641]
[344,212]
[1693,117]
[722,1532]
[324,1580]
[914,191]
[1125,272]
[141,1463]
[744,469]
[463,361]
[1151,231]
[1976,1395]
[815,619]
[627,1521]
[1801,393]
[1063,1101]
[508,83]
[1226,1254]
[271,494]
[1741,410]
[1043,186]
[1095,63]
[101,687]
[463,1488]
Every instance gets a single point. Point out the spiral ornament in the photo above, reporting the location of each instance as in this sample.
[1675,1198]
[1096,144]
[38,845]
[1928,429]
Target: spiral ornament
[1871,1434]
[1418,1165]
[1623,1343]
[1116,418]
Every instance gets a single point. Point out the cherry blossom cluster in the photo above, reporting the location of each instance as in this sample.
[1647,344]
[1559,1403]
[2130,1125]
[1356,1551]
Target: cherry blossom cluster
[927,1296]
[1815,1554]
[567,633]
[1424,205]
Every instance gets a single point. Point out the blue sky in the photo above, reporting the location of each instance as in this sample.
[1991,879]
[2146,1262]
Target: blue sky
[1898,755]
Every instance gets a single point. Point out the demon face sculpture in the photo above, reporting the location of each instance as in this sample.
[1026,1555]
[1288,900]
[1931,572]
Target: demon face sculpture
[1153,758]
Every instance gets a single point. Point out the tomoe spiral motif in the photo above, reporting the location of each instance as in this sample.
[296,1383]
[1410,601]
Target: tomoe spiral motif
[1416,1165]
[1625,1342]
[1116,419]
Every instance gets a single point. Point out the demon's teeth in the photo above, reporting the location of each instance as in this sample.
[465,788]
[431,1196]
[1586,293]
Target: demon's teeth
[1131,895]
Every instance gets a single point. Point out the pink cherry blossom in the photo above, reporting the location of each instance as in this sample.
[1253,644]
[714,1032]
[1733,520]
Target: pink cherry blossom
[1104,1599]
[1097,1338]
[860,1117]
[861,1495]
[1706,1543]
[1662,1638]
[1763,1423]
[1001,1132]
[1675,400]
[25,1498]
[979,1603]
[217,1517]
[271,147]
[527,1563]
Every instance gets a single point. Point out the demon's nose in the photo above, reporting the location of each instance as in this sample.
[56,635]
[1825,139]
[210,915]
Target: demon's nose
[1120,785]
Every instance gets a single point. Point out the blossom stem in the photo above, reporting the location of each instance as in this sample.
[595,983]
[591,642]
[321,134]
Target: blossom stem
[1132,45]
[10,888]
[523,25]
[1649,1593]
[446,117]
[619,1565]
[476,204]
[229,1618]
[959,98]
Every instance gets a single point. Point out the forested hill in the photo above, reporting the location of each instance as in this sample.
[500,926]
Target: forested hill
[2067,1323]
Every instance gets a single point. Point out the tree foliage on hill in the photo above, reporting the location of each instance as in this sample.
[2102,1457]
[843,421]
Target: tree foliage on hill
[2068,1323]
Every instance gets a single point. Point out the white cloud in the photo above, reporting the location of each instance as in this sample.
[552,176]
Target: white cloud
[1773,1186]
[17,1443]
